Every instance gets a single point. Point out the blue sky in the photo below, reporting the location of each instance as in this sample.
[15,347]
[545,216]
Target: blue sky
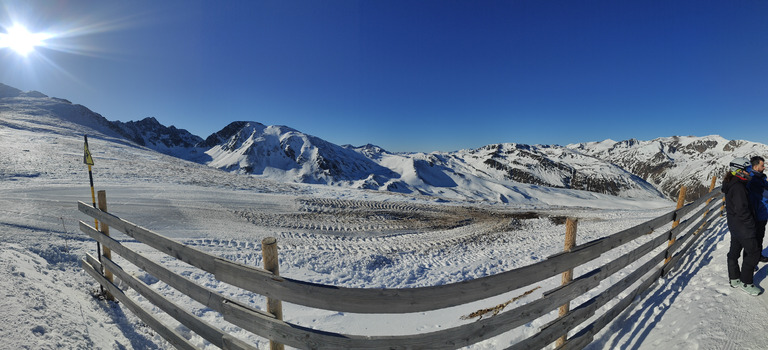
[409,75]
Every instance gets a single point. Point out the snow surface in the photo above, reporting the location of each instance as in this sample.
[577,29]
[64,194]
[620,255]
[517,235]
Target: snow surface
[328,235]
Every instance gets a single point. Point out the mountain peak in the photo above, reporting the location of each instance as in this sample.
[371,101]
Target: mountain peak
[8,91]
[284,152]
[368,150]
[227,132]
[150,133]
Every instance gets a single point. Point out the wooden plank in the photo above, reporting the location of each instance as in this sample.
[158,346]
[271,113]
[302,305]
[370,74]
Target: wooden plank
[209,332]
[695,218]
[703,199]
[596,248]
[93,261]
[302,337]
[470,333]
[588,309]
[205,296]
[363,300]
[359,300]
[560,326]
[682,243]
[676,232]
[673,262]
[612,267]
[577,343]
[550,332]
[445,339]
[306,338]
[199,293]
[170,335]
[168,246]
[596,326]
[613,241]
[232,343]
[368,300]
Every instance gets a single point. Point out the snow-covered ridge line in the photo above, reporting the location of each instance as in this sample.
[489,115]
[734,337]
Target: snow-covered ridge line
[506,173]
[629,169]
[671,162]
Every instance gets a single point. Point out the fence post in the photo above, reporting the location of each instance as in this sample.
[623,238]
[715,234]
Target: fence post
[711,187]
[106,252]
[272,264]
[570,242]
[680,202]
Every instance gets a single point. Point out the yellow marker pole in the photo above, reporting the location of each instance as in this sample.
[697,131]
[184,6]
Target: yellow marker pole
[93,196]
[88,159]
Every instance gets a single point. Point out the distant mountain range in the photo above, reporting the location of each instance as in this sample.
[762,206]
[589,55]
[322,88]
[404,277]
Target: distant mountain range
[630,169]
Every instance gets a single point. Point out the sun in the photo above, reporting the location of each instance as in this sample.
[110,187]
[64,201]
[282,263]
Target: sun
[20,40]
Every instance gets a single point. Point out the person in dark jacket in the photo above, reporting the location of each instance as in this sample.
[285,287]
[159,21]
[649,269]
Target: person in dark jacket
[741,224]
[757,187]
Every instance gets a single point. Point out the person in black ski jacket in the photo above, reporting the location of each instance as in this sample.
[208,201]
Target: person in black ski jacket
[741,224]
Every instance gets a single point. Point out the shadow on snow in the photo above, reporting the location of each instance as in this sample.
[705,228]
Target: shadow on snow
[645,315]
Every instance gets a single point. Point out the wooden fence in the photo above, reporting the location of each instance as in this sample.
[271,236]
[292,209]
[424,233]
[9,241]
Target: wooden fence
[677,240]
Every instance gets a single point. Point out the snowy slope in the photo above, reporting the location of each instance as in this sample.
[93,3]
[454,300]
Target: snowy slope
[35,111]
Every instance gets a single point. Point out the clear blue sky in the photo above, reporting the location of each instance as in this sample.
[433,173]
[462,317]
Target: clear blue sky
[409,75]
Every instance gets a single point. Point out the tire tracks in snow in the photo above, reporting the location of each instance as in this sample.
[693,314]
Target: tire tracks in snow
[412,231]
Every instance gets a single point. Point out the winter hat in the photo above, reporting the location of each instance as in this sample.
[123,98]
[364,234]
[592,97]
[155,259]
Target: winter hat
[739,163]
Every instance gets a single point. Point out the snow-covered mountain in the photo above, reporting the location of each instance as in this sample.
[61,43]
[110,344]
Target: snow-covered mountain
[41,140]
[286,154]
[494,171]
[670,162]
[509,172]
[630,169]
[34,110]
[150,133]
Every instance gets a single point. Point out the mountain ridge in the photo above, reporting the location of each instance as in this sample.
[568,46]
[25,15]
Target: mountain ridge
[629,168]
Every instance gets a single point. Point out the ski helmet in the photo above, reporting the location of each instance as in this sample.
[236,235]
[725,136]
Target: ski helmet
[739,163]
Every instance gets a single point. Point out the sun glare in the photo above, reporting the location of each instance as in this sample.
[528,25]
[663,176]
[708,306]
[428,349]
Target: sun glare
[20,40]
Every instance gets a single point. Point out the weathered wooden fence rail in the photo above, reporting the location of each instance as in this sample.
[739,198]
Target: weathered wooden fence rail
[394,301]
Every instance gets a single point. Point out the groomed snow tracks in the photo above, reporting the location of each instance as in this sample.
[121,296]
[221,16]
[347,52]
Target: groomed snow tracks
[363,300]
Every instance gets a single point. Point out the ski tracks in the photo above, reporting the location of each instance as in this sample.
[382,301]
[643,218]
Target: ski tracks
[374,234]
